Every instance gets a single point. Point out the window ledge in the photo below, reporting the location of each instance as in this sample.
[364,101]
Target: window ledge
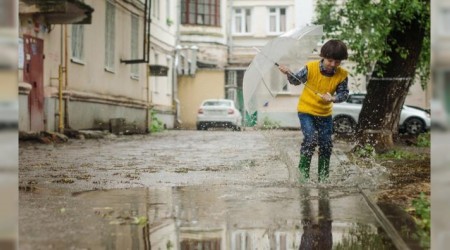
[243,34]
[77,61]
[109,70]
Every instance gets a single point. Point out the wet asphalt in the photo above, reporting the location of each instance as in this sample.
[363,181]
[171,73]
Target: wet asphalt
[189,190]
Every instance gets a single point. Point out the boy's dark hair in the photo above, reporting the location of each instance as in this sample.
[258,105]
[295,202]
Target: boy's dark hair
[334,49]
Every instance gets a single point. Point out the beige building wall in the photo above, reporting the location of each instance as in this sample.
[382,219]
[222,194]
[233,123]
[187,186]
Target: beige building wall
[90,75]
[94,94]
[417,96]
[8,88]
[193,90]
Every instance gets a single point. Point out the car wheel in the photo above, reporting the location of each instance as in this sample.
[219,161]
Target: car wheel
[201,126]
[414,126]
[343,125]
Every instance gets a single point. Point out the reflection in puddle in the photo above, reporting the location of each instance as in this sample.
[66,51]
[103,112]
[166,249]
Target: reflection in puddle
[316,234]
[232,218]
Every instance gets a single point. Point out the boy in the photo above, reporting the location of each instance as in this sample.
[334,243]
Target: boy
[327,83]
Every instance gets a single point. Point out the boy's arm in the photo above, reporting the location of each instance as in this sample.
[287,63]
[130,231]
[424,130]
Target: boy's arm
[341,91]
[297,78]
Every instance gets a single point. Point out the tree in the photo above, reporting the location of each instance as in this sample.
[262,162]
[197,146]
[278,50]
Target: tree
[390,41]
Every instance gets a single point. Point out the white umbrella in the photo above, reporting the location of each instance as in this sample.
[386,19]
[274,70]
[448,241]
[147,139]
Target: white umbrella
[262,79]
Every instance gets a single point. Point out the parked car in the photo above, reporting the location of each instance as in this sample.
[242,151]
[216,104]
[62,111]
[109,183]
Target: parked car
[346,114]
[218,113]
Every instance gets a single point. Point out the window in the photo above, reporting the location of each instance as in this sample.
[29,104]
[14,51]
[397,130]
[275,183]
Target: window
[281,240]
[155,9]
[241,20]
[200,12]
[241,240]
[277,20]
[134,45]
[156,79]
[77,42]
[110,36]
[168,8]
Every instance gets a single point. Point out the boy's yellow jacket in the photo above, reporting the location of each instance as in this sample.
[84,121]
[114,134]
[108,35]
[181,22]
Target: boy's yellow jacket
[311,103]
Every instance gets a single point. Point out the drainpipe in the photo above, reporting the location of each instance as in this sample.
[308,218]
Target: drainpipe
[229,33]
[176,62]
[147,109]
[60,87]
[60,99]
[66,75]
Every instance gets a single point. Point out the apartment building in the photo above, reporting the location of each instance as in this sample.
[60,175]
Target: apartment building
[162,58]
[201,56]
[83,65]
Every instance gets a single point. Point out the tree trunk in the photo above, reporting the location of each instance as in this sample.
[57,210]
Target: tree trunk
[380,114]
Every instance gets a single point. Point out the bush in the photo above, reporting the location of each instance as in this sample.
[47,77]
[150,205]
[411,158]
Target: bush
[156,125]
[269,124]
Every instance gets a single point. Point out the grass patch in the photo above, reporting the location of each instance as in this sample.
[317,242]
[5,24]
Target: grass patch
[421,208]
[423,140]
[397,154]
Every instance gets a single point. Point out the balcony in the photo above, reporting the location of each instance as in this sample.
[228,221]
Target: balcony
[58,11]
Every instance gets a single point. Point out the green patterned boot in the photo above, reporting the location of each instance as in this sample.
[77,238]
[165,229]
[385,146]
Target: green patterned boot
[303,165]
[324,168]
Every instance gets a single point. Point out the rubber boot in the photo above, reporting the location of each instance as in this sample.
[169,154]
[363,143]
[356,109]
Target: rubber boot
[303,165]
[324,168]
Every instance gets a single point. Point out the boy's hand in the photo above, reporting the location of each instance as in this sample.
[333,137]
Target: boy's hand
[285,70]
[328,97]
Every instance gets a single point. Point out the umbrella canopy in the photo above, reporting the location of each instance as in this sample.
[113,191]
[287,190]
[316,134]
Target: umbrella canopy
[262,79]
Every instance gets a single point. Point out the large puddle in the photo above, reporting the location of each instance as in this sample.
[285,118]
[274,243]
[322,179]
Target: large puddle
[200,217]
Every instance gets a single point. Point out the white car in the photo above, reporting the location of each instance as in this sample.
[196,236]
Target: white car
[218,113]
[346,115]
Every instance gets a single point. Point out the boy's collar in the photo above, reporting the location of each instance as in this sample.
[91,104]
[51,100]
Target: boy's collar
[323,70]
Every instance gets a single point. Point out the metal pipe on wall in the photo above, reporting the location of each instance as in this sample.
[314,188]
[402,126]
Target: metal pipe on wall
[60,88]
[66,78]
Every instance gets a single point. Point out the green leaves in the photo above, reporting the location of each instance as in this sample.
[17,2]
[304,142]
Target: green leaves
[365,26]
[423,219]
